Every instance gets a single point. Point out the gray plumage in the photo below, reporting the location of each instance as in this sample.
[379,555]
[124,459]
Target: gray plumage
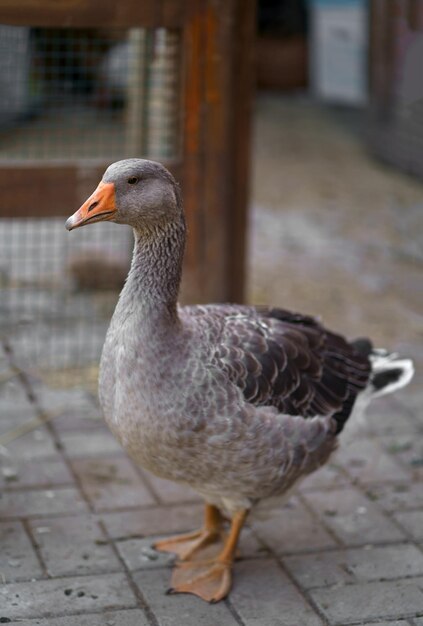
[236,401]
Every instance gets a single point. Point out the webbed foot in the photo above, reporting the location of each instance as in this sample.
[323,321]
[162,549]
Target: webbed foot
[209,580]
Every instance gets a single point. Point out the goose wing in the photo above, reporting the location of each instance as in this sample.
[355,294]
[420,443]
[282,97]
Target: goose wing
[290,361]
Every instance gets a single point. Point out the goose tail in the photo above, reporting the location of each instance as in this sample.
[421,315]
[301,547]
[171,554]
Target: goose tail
[389,372]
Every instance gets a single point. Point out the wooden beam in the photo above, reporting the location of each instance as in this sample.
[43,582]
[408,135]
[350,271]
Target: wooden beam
[92,13]
[51,190]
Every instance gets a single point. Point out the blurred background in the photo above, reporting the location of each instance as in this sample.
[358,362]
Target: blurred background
[295,128]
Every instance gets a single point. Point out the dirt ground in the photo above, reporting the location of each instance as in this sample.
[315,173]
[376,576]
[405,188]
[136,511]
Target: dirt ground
[334,232]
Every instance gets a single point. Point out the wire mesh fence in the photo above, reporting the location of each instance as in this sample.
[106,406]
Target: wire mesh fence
[74,95]
[87,94]
[58,291]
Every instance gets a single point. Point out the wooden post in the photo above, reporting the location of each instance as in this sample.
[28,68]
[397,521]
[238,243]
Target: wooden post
[243,85]
[219,73]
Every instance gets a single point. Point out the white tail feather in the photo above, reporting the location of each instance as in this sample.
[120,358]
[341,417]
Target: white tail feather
[383,362]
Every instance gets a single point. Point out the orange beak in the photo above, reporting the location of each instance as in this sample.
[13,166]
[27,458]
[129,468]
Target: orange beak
[99,207]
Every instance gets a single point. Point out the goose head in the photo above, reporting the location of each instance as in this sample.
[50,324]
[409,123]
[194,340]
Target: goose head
[137,192]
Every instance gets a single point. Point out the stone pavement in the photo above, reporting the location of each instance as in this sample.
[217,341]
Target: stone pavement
[78,519]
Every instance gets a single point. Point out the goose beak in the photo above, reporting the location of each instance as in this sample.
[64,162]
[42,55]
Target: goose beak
[99,207]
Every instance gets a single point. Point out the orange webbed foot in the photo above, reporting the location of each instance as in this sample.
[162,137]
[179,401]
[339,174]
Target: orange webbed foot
[209,580]
[186,546]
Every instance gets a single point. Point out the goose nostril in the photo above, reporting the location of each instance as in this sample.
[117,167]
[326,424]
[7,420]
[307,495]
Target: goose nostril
[92,206]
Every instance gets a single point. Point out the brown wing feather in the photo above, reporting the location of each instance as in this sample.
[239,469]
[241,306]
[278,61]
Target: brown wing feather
[292,362]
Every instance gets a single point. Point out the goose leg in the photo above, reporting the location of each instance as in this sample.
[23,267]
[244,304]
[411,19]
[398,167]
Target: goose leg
[210,580]
[186,545]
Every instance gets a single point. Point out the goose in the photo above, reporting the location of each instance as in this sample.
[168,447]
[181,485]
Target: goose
[239,402]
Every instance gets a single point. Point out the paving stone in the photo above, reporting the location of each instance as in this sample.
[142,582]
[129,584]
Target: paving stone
[291,529]
[347,566]
[39,473]
[76,420]
[82,413]
[418,621]
[388,418]
[15,415]
[66,596]
[90,443]
[37,444]
[327,477]
[412,521]
[407,449]
[128,617]
[14,403]
[249,546]
[262,594]
[74,546]
[4,362]
[15,407]
[178,610]
[169,492]
[394,497]
[366,461]
[80,400]
[353,517]
[41,502]
[411,398]
[154,521]
[112,482]
[400,622]
[370,600]
[18,560]
[139,553]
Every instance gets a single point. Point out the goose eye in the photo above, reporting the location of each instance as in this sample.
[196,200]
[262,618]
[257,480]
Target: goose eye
[132,180]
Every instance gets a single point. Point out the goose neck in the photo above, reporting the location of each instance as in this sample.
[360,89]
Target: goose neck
[155,274]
